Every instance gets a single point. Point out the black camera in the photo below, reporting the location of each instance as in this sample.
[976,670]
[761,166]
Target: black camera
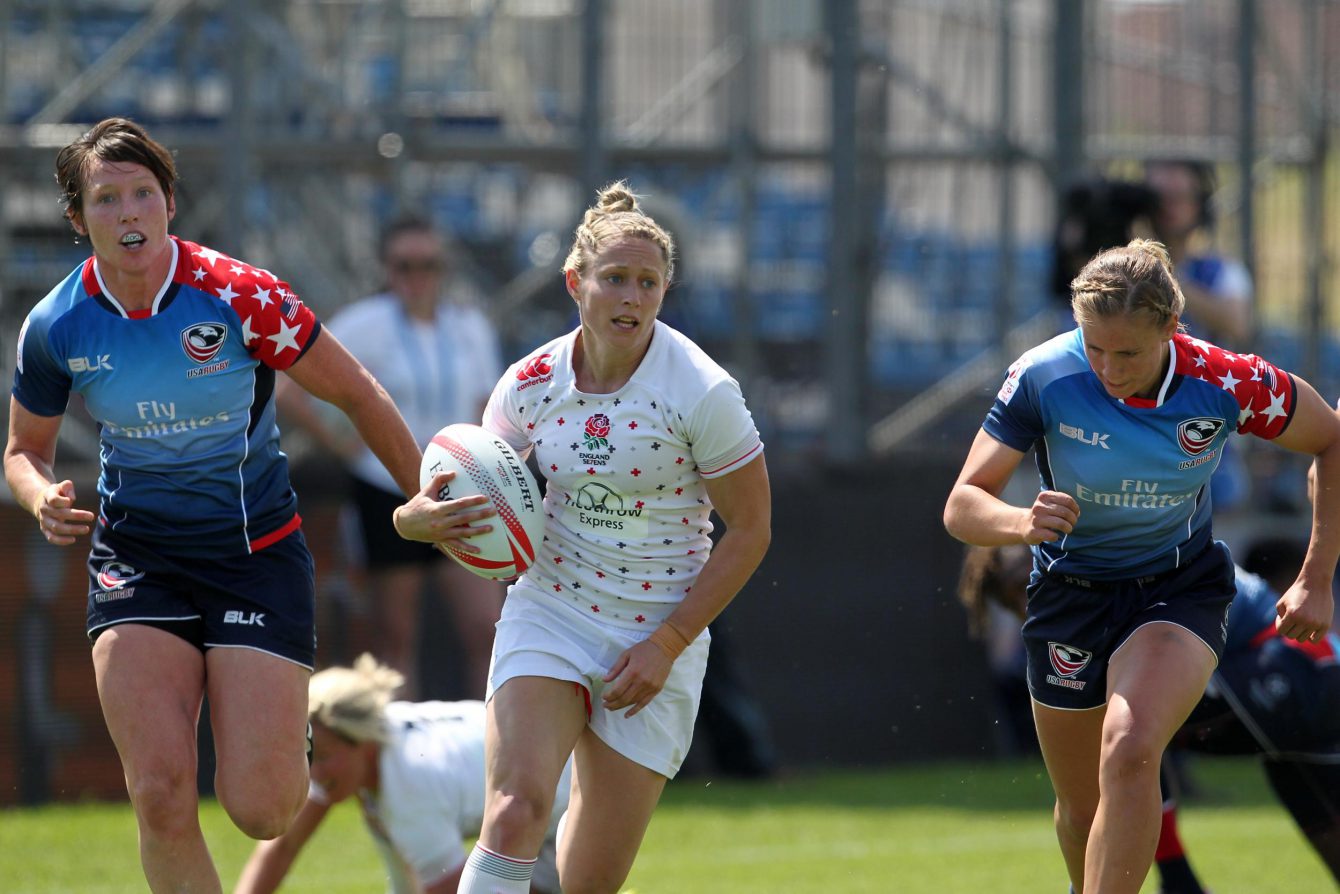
[1095,215]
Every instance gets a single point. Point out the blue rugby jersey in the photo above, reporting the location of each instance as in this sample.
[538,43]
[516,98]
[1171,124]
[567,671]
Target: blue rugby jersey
[1251,622]
[182,394]
[1253,610]
[1139,469]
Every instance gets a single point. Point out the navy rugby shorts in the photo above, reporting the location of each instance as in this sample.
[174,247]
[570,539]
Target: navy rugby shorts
[264,601]
[1074,625]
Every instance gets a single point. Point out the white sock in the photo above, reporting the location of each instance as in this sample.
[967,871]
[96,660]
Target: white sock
[487,872]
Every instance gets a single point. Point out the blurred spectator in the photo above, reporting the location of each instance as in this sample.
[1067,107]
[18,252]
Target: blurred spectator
[438,357]
[1218,289]
[990,587]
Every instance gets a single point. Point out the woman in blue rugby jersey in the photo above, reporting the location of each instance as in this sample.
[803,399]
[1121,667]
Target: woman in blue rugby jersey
[1270,696]
[1126,612]
[200,581]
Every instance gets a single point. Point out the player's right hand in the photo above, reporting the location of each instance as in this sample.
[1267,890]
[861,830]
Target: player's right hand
[428,519]
[1051,517]
[60,522]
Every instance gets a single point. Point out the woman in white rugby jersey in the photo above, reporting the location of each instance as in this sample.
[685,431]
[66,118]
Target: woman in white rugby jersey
[602,643]
[417,769]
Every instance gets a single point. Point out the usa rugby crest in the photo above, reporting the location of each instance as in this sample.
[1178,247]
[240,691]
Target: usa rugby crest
[116,575]
[203,341]
[1068,661]
[1194,436]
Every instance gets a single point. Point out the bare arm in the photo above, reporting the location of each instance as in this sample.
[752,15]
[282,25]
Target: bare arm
[271,860]
[1305,609]
[328,371]
[976,514]
[30,454]
[743,499]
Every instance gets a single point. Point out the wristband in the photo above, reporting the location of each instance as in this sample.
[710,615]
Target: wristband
[669,639]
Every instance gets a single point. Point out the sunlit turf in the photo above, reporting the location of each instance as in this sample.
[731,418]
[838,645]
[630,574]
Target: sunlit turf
[937,829]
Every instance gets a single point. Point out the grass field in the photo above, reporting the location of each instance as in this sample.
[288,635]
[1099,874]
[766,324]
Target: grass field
[942,829]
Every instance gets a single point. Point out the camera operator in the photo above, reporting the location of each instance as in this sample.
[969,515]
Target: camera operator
[1218,289]
[1172,204]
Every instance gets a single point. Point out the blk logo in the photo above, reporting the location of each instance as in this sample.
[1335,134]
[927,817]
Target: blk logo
[1093,439]
[87,364]
[247,619]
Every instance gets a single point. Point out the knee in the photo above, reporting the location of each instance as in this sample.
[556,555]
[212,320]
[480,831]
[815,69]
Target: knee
[519,815]
[261,818]
[165,801]
[1074,819]
[261,811]
[1130,753]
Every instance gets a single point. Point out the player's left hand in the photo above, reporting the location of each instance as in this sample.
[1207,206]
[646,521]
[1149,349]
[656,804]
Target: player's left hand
[637,676]
[1304,613]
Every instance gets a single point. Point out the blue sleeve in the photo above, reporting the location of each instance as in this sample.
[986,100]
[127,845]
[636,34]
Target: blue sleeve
[41,382]
[1015,419]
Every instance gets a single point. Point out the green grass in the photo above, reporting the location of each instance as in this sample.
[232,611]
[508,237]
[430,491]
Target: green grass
[944,829]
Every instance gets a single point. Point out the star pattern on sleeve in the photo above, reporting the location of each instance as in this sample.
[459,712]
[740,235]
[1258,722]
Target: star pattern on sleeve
[1264,393]
[276,325]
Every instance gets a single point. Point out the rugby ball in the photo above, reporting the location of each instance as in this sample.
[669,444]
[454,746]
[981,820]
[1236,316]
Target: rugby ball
[486,464]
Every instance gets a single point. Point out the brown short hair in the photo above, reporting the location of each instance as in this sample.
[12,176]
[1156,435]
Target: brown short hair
[112,139]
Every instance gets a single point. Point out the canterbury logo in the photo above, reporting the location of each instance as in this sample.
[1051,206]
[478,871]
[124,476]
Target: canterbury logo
[536,367]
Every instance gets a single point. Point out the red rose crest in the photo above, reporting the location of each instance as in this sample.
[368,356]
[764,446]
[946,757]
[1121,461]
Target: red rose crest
[597,432]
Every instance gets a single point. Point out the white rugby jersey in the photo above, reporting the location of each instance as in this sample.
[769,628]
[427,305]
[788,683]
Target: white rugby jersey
[627,527]
[431,792]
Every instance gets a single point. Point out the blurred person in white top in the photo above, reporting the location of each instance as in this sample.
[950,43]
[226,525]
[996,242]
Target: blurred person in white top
[437,355]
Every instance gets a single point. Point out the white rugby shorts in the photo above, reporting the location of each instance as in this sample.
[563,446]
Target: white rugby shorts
[541,637]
